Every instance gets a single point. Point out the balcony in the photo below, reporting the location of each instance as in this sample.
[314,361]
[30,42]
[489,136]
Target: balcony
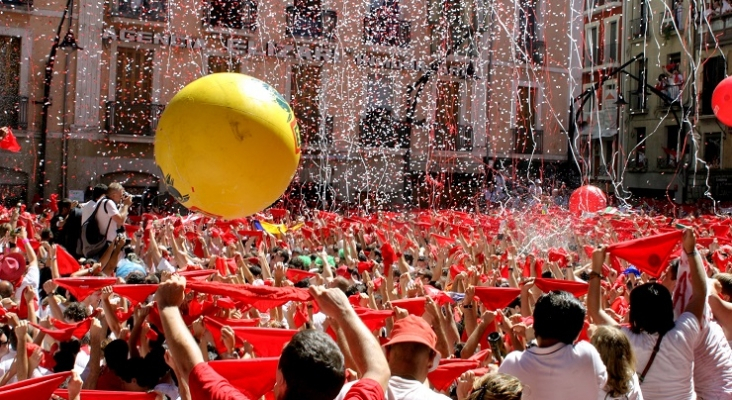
[722,28]
[532,51]
[238,14]
[528,141]
[17,4]
[386,31]
[638,27]
[670,23]
[453,137]
[14,112]
[317,137]
[134,119]
[148,10]
[310,24]
[378,128]
[610,53]
[638,102]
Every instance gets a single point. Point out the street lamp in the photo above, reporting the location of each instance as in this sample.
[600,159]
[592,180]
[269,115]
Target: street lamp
[68,43]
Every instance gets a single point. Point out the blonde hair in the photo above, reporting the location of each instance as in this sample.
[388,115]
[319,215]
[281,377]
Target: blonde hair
[618,357]
[496,387]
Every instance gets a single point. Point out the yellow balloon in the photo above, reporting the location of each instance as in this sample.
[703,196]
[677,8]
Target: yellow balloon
[228,145]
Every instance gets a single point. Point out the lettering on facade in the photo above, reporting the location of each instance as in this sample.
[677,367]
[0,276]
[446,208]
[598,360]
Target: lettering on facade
[305,52]
[155,38]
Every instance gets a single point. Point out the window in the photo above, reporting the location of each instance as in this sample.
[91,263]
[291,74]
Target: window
[10,100]
[611,42]
[714,71]
[592,46]
[713,149]
[133,109]
[306,18]
[638,93]
[671,149]
[639,23]
[146,10]
[305,86]
[233,14]
[382,25]
[378,121]
[526,137]
[223,64]
[447,116]
[639,153]
[451,23]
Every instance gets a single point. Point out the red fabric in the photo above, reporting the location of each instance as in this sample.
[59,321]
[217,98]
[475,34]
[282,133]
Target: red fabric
[107,395]
[449,370]
[267,342]
[64,332]
[456,269]
[253,376]
[443,241]
[53,203]
[35,388]
[365,389]
[226,266]
[66,263]
[81,288]
[364,266]
[9,142]
[373,319]
[388,256]
[296,275]
[47,360]
[261,297]
[440,297]
[414,306]
[215,326]
[207,384]
[194,274]
[649,254]
[558,256]
[135,293]
[496,298]
[578,289]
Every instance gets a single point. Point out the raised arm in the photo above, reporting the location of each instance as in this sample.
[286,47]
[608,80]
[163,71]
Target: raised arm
[365,349]
[698,299]
[594,296]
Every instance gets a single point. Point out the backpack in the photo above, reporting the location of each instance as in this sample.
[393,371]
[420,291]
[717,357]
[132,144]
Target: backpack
[71,233]
[93,241]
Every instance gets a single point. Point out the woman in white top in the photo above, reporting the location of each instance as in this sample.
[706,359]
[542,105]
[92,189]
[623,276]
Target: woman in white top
[664,348]
[619,359]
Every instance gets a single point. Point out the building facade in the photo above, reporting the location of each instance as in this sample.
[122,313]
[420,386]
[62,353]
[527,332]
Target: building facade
[672,142]
[390,96]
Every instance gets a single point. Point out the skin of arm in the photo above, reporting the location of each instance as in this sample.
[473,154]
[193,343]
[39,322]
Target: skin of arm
[594,295]
[469,317]
[698,299]
[21,331]
[95,356]
[479,332]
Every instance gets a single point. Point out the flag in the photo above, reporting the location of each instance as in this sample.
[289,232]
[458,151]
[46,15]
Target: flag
[9,142]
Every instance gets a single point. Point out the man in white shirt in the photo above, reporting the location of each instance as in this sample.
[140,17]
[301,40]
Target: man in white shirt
[557,368]
[108,216]
[88,208]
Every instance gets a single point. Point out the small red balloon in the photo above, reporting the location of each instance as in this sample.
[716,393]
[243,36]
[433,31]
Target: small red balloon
[587,198]
[722,101]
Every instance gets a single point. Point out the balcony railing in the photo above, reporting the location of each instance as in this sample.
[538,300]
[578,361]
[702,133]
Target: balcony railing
[145,10]
[638,27]
[670,23]
[453,137]
[722,30]
[126,118]
[386,31]
[319,138]
[14,112]
[638,102]
[610,53]
[526,143]
[240,15]
[315,24]
[18,4]
[383,130]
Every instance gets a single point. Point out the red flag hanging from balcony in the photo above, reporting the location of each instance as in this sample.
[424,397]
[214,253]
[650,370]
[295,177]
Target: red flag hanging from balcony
[8,141]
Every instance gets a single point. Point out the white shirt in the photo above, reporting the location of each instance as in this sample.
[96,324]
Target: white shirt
[669,378]
[107,209]
[633,394]
[401,389]
[87,209]
[713,364]
[31,278]
[558,372]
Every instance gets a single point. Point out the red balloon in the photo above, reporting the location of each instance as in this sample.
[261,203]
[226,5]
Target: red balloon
[587,198]
[722,101]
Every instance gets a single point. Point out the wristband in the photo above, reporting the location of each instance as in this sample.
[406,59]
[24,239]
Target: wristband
[25,241]
[468,306]
[594,274]
[692,253]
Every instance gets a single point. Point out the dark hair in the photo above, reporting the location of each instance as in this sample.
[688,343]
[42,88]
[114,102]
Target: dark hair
[312,367]
[303,284]
[152,279]
[651,309]
[341,283]
[725,280]
[136,368]
[135,278]
[558,315]
[356,288]
[297,263]
[409,258]
[255,270]
[65,357]
[75,312]
[99,191]
[281,253]
[65,203]
[46,235]
[115,355]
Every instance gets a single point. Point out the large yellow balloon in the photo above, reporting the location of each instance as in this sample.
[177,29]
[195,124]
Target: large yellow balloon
[228,145]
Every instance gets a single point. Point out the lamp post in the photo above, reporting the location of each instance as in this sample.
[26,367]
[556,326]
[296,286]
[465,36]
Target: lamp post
[69,42]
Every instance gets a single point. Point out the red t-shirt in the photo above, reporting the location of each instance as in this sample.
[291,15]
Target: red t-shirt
[206,384]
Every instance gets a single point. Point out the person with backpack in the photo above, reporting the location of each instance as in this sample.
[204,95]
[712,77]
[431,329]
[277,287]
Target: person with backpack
[66,226]
[100,229]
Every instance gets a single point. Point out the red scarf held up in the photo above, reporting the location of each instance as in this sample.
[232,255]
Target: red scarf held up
[64,332]
[108,394]
[35,388]
[649,254]
[215,327]
[254,377]
[81,288]
[373,319]
[296,275]
[135,293]
[415,306]
[267,342]
[66,263]
[449,370]
[496,298]
[578,289]
[262,298]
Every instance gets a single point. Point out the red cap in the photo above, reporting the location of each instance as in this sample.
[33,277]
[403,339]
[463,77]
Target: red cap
[413,329]
[343,271]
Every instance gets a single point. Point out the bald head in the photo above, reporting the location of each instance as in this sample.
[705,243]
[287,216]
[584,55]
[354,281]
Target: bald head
[6,289]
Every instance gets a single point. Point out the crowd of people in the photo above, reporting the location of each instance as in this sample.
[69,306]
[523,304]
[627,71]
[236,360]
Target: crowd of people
[539,303]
